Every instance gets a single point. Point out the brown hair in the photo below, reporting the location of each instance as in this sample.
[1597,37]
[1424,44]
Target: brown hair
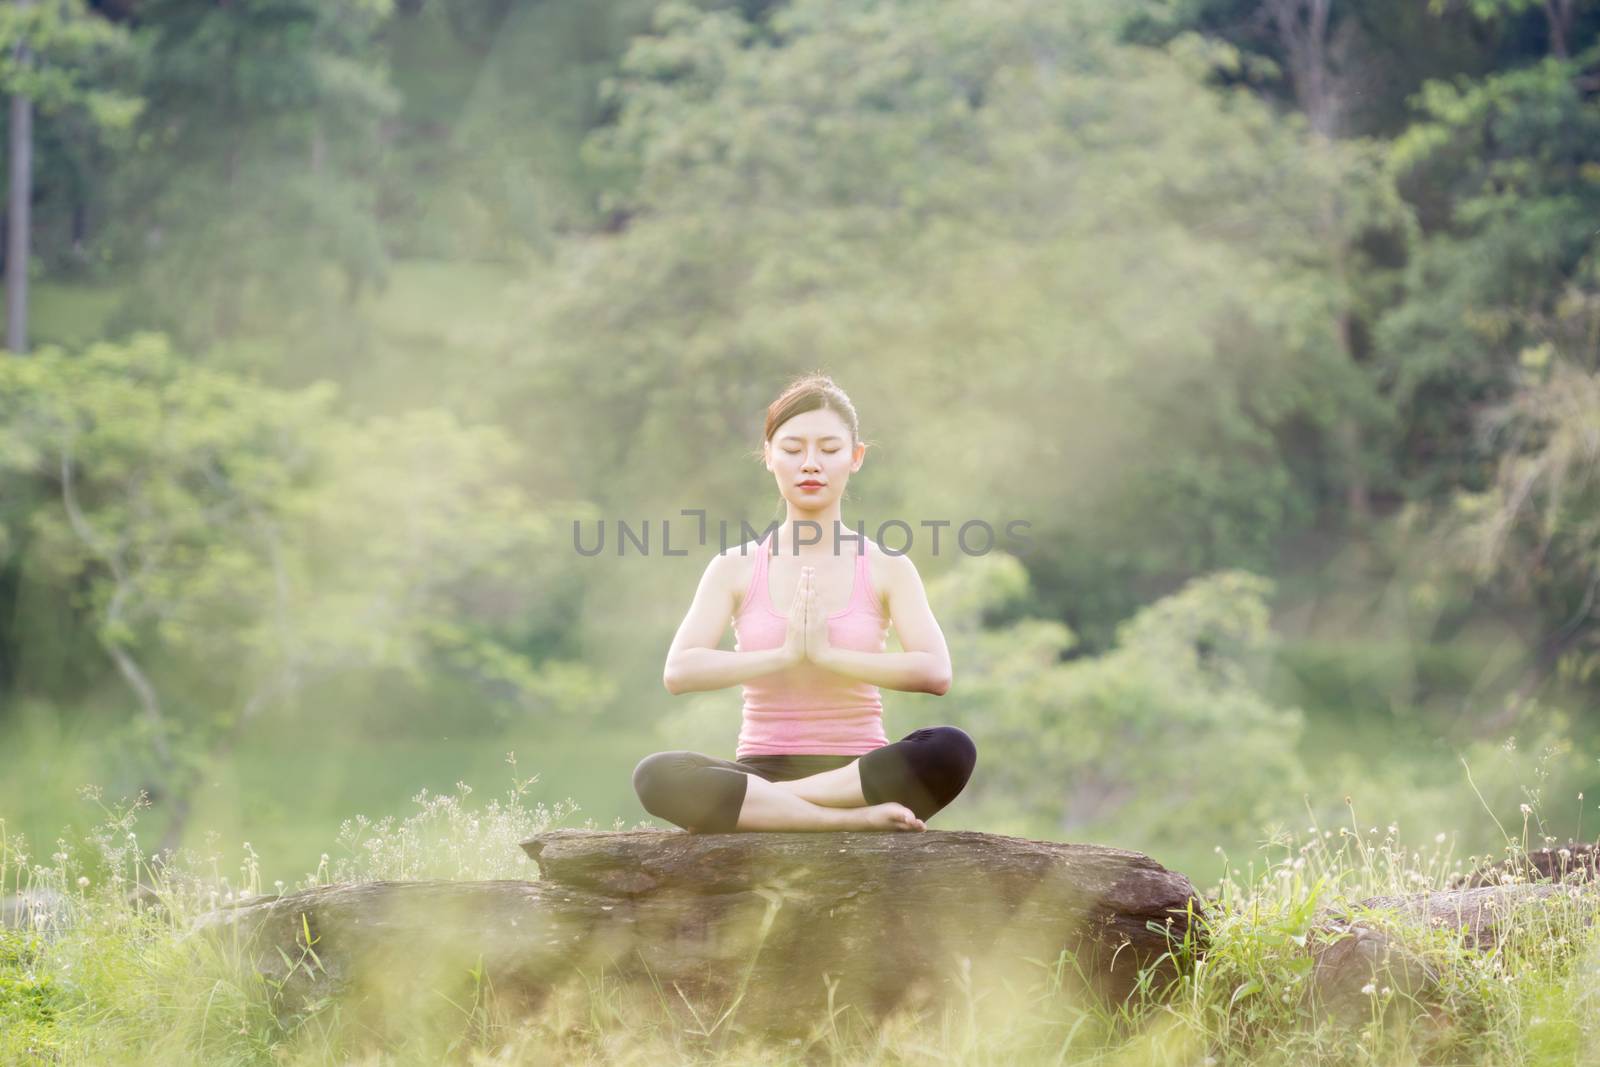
[808,393]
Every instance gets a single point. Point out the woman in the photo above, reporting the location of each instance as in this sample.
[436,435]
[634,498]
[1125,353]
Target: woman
[812,754]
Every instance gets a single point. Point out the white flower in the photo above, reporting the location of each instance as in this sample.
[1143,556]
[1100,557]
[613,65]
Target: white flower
[1369,989]
[1438,838]
[1526,810]
[83,882]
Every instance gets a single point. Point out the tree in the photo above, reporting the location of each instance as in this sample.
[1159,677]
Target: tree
[233,547]
[996,224]
[1131,738]
[1500,176]
[50,55]
[1533,536]
[249,205]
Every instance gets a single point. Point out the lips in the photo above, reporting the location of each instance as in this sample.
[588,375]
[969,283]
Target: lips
[810,485]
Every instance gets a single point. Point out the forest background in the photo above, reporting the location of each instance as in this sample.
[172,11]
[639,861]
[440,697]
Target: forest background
[1278,321]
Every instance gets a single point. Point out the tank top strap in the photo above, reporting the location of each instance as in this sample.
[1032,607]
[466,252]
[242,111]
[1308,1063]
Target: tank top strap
[869,590]
[861,594]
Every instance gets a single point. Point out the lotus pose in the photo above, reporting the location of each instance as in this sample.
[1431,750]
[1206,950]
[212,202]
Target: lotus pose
[811,754]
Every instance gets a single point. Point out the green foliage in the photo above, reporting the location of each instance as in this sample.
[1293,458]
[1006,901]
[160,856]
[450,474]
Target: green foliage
[247,201]
[31,998]
[1131,738]
[195,519]
[1534,534]
[1503,171]
[1023,243]
[61,55]
[496,99]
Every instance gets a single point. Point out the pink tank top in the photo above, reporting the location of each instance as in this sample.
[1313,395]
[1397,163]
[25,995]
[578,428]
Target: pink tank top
[806,709]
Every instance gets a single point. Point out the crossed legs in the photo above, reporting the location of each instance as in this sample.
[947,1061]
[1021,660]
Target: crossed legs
[779,806]
[895,787]
[838,788]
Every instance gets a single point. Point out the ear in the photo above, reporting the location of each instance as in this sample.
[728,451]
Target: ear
[861,454]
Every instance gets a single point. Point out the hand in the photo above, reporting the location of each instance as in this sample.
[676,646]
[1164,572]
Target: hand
[817,645]
[794,641]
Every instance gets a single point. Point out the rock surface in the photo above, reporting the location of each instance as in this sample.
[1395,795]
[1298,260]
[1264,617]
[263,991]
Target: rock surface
[1379,941]
[1573,862]
[768,929]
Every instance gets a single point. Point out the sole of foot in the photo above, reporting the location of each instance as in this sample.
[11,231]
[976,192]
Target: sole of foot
[890,816]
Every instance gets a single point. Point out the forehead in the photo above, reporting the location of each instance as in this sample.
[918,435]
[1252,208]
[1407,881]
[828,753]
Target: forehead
[820,423]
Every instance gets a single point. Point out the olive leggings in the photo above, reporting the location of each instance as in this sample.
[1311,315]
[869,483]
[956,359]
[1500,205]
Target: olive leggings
[924,770]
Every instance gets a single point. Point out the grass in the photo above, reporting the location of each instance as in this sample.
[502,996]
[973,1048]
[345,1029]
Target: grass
[288,786]
[119,984]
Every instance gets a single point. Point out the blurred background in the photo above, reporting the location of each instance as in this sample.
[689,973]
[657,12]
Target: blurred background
[1277,320]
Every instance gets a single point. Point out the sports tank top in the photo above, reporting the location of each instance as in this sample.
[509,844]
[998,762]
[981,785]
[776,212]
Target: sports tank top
[804,708]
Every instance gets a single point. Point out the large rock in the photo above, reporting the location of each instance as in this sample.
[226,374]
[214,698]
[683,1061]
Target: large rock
[888,916]
[767,929]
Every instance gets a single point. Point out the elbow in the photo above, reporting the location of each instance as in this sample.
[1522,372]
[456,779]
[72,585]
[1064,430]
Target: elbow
[669,679]
[940,685]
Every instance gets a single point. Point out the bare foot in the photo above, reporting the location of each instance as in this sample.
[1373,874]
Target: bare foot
[888,816]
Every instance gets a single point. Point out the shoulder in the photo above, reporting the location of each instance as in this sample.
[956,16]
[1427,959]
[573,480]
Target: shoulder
[890,571]
[732,569]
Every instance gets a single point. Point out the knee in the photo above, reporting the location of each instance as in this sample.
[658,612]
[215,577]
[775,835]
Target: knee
[653,779]
[957,751]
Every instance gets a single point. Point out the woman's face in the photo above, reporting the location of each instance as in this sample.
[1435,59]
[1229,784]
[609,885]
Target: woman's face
[811,457]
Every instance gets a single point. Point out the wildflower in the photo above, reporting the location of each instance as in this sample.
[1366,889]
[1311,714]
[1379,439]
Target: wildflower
[1384,991]
[83,882]
[1369,989]
[1526,810]
[1438,838]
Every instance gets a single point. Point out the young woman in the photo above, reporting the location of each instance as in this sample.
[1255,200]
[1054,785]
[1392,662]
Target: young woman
[812,754]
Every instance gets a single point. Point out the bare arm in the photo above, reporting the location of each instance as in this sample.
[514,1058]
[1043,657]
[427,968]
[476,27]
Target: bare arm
[695,663]
[924,666]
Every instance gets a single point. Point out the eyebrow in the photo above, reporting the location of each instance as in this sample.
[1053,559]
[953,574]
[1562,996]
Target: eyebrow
[792,437]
